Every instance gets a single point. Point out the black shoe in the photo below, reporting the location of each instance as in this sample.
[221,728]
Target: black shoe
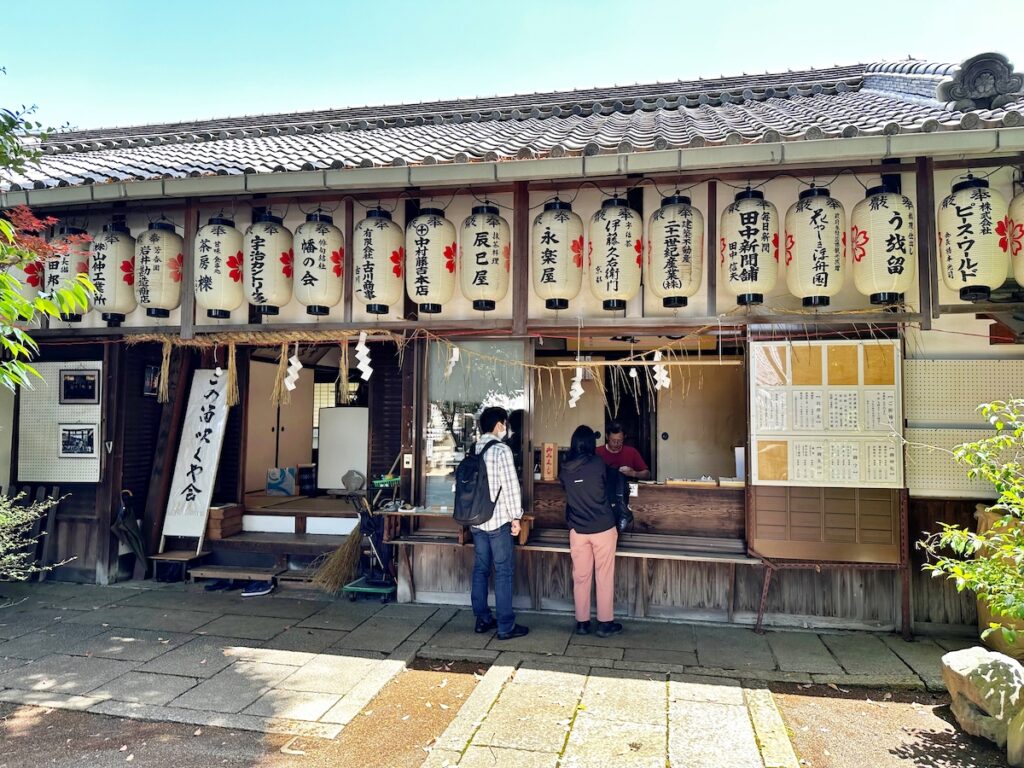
[517,631]
[485,626]
[218,585]
[608,628]
[582,627]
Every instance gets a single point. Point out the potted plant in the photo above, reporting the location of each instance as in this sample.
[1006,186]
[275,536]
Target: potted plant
[990,562]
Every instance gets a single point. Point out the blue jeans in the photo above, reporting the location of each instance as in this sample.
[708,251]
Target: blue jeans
[494,547]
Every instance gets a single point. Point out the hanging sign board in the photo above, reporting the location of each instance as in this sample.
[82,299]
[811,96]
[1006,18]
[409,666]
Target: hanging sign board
[198,456]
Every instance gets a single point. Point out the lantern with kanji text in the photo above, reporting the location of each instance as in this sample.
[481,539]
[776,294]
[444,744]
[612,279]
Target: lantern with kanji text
[556,255]
[158,263]
[883,245]
[485,251]
[615,254]
[269,261]
[320,262]
[64,264]
[217,266]
[973,258]
[430,256]
[675,251]
[749,247]
[378,258]
[815,247]
[112,272]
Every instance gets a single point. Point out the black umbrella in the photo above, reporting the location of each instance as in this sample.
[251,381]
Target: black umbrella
[126,528]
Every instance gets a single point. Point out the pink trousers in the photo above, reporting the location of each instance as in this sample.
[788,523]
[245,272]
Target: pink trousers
[593,552]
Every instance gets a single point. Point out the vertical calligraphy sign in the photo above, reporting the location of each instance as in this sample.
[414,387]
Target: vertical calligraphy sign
[198,456]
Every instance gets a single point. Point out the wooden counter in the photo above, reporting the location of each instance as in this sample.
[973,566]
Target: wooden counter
[714,512]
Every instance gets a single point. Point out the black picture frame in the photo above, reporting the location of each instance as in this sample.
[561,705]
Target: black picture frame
[150,380]
[78,441]
[79,386]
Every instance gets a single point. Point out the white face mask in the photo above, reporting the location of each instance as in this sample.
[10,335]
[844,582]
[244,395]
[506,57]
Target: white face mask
[501,432]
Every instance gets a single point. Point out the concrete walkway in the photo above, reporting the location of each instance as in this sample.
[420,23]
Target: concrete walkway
[657,694]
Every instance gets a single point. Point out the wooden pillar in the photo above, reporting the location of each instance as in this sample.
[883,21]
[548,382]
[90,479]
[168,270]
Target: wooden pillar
[927,268]
[520,257]
[710,260]
[188,293]
[109,488]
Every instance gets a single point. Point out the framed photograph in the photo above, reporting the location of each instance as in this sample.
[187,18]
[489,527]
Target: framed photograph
[79,387]
[150,380]
[78,441]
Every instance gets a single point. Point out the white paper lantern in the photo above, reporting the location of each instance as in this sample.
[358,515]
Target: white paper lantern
[485,251]
[675,251]
[320,250]
[32,277]
[973,260]
[217,265]
[378,257]
[112,272]
[430,253]
[883,243]
[749,246]
[556,255]
[62,268]
[269,261]
[815,247]
[615,254]
[158,262]
[1012,229]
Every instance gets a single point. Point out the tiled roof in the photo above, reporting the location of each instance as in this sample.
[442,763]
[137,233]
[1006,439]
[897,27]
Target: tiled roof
[838,102]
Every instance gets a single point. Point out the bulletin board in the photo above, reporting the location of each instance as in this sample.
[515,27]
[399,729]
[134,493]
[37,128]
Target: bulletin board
[41,418]
[933,472]
[826,413]
[343,444]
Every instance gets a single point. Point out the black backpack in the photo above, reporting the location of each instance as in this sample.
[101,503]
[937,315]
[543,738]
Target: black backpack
[473,505]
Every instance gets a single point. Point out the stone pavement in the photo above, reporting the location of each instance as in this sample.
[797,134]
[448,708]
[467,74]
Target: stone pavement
[657,694]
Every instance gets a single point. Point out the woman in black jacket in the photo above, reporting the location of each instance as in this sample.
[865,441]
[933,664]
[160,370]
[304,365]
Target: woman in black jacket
[592,532]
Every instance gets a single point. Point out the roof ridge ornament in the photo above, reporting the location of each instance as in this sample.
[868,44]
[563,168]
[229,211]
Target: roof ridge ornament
[987,80]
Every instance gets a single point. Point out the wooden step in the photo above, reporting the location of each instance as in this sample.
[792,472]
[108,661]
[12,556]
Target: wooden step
[233,572]
[179,556]
[281,543]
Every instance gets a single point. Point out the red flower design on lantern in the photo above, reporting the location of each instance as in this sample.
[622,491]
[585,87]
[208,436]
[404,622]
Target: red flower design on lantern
[506,252]
[577,252]
[82,267]
[860,242]
[590,254]
[235,265]
[128,271]
[639,246]
[450,252]
[843,238]
[775,243]
[174,267]
[287,259]
[721,248]
[34,273]
[397,257]
[1011,236]
[336,257]
[790,242]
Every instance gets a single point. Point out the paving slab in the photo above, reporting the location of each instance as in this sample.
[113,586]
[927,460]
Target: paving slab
[8,663]
[246,627]
[864,654]
[328,674]
[472,713]
[770,731]
[15,623]
[598,743]
[409,612]
[802,652]
[551,672]
[58,638]
[459,632]
[366,689]
[548,634]
[923,656]
[430,627]
[448,653]
[761,675]
[133,617]
[273,656]
[341,615]
[130,644]
[50,699]
[201,657]
[498,757]
[293,705]
[632,697]
[305,639]
[907,682]
[706,690]
[377,634]
[657,656]
[234,688]
[594,652]
[645,634]
[702,734]
[733,648]
[145,688]
[64,674]
[957,643]
[441,758]
[521,718]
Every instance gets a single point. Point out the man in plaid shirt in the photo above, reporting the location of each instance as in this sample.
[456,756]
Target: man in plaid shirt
[492,540]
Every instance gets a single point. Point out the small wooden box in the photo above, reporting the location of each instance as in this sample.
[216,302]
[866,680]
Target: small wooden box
[225,520]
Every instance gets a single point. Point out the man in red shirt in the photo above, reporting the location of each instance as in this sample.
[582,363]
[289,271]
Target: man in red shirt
[622,457]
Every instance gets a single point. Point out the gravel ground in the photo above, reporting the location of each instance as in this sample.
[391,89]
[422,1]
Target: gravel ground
[392,732]
[864,727]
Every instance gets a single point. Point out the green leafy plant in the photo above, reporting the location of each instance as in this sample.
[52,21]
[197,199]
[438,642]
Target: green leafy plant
[990,563]
[17,538]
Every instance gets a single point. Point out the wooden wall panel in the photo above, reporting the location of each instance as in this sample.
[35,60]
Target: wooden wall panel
[936,601]
[385,410]
[688,585]
[142,426]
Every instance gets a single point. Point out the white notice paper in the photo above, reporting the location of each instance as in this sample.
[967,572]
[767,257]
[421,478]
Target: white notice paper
[771,410]
[808,410]
[808,460]
[843,410]
[880,410]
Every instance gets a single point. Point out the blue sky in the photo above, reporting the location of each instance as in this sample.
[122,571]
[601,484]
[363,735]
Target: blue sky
[116,62]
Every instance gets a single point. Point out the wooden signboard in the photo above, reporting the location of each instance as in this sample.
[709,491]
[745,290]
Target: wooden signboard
[549,461]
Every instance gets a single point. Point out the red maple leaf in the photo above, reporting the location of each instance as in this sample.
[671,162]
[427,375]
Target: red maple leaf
[174,266]
[721,248]
[860,242]
[1011,236]
[577,252]
[287,258]
[639,247]
[82,267]
[34,273]
[128,271]
[235,265]
[775,242]
[397,257]
[790,242]
[450,252]
[336,257]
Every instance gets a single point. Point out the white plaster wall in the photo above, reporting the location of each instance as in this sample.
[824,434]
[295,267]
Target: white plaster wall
[6,435]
